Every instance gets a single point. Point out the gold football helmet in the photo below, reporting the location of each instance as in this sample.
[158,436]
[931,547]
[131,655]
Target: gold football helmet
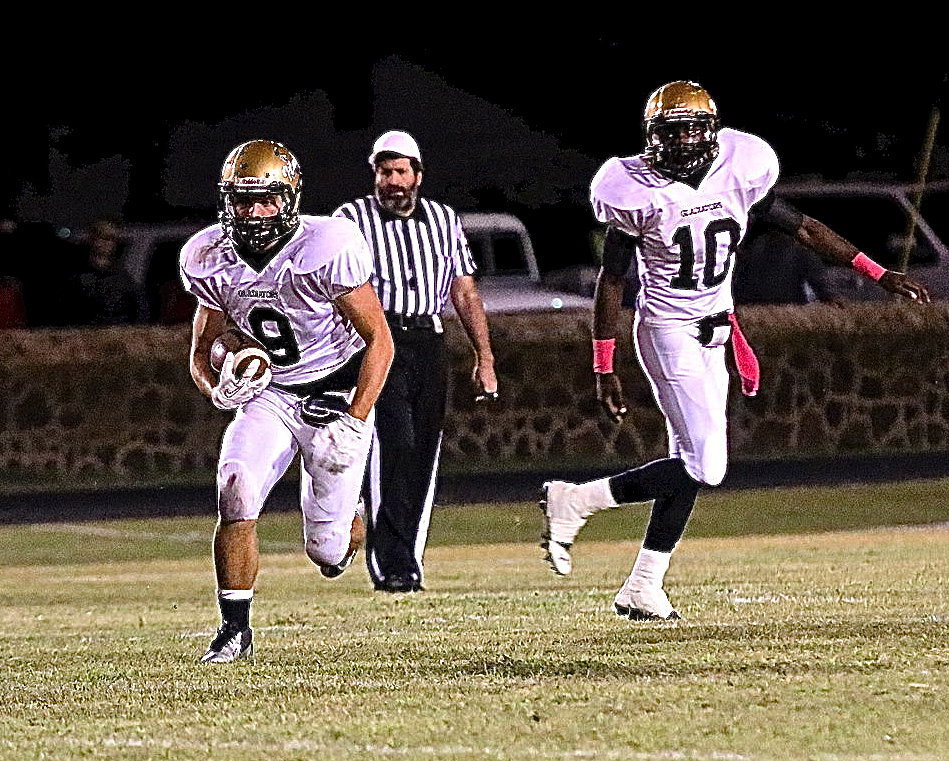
[681,124]
[260,168]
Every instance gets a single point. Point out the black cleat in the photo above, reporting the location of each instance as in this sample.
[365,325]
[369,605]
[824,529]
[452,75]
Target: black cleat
[357,537]
[332,571]
[230,644]
[399,584]
[635,614]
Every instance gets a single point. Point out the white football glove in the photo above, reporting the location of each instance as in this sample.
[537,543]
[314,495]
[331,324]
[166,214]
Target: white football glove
[347,441]
[232,391]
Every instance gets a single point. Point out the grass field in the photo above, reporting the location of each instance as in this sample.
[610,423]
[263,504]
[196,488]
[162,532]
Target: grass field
[813,630]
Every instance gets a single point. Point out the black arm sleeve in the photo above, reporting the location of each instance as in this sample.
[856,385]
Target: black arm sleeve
[777,213]
[618,250]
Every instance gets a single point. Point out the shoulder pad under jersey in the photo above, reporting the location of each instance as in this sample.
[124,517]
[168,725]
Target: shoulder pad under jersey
[751,158]
[625,183]
[322,238]
[204,252]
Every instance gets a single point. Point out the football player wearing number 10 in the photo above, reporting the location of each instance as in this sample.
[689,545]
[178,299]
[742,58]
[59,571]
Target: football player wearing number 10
[299,284]
[681,208]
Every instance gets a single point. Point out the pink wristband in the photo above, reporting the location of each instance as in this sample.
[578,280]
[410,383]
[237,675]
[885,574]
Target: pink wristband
[603,355]
[867,267]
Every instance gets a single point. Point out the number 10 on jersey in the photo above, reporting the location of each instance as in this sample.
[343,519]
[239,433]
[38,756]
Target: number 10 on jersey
[687,278]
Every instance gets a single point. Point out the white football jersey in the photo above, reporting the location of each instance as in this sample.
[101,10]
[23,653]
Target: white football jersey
[288,305]
[686,237]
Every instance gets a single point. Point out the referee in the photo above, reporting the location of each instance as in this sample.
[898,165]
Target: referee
[421,259]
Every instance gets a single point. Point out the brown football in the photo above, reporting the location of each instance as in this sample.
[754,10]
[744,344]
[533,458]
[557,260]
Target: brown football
[246,350]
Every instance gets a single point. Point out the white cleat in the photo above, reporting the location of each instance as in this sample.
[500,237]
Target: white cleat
[558,557]
[563,520]
[644,602]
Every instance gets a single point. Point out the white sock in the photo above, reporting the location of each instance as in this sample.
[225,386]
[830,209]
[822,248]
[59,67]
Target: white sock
[651,566]
[596,495]
[235,594]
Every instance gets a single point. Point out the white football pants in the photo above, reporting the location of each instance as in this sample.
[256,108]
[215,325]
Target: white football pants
[690,384]
[257,448]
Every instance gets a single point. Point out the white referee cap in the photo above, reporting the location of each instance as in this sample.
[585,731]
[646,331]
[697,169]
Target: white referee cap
[395,142]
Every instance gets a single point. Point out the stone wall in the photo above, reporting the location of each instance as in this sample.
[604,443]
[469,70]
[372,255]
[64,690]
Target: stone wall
[116,407]
[866,379]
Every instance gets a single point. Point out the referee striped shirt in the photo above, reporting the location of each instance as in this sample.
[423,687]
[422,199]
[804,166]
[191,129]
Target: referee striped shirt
[416,257]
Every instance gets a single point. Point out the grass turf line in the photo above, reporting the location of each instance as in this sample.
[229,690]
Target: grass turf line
[718,513]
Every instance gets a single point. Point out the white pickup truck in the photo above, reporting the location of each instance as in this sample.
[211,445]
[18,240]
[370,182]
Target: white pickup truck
[509,278]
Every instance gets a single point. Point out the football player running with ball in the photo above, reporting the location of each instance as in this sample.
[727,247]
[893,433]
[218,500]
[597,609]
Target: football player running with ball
[299,285]
[681,208]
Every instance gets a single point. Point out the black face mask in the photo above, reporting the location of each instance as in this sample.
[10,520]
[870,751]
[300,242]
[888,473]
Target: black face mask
[673,154]
[258,235]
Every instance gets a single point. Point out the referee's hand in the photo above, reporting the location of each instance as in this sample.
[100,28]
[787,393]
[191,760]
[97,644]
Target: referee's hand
[486,383]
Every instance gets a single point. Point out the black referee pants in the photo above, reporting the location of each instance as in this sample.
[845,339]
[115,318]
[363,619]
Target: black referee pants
[403,463]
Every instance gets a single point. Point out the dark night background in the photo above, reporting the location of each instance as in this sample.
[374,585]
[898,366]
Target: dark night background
[100,95]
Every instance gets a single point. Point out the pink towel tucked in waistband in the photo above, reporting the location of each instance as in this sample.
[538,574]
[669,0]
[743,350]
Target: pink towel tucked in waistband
[745,360]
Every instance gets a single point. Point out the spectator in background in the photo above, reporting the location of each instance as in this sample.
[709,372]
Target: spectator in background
[104,292]
[12,306]
[44,263]
[168,302]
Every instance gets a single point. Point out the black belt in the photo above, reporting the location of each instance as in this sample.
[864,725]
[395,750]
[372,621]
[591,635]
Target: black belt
[411,322]
[343,378]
